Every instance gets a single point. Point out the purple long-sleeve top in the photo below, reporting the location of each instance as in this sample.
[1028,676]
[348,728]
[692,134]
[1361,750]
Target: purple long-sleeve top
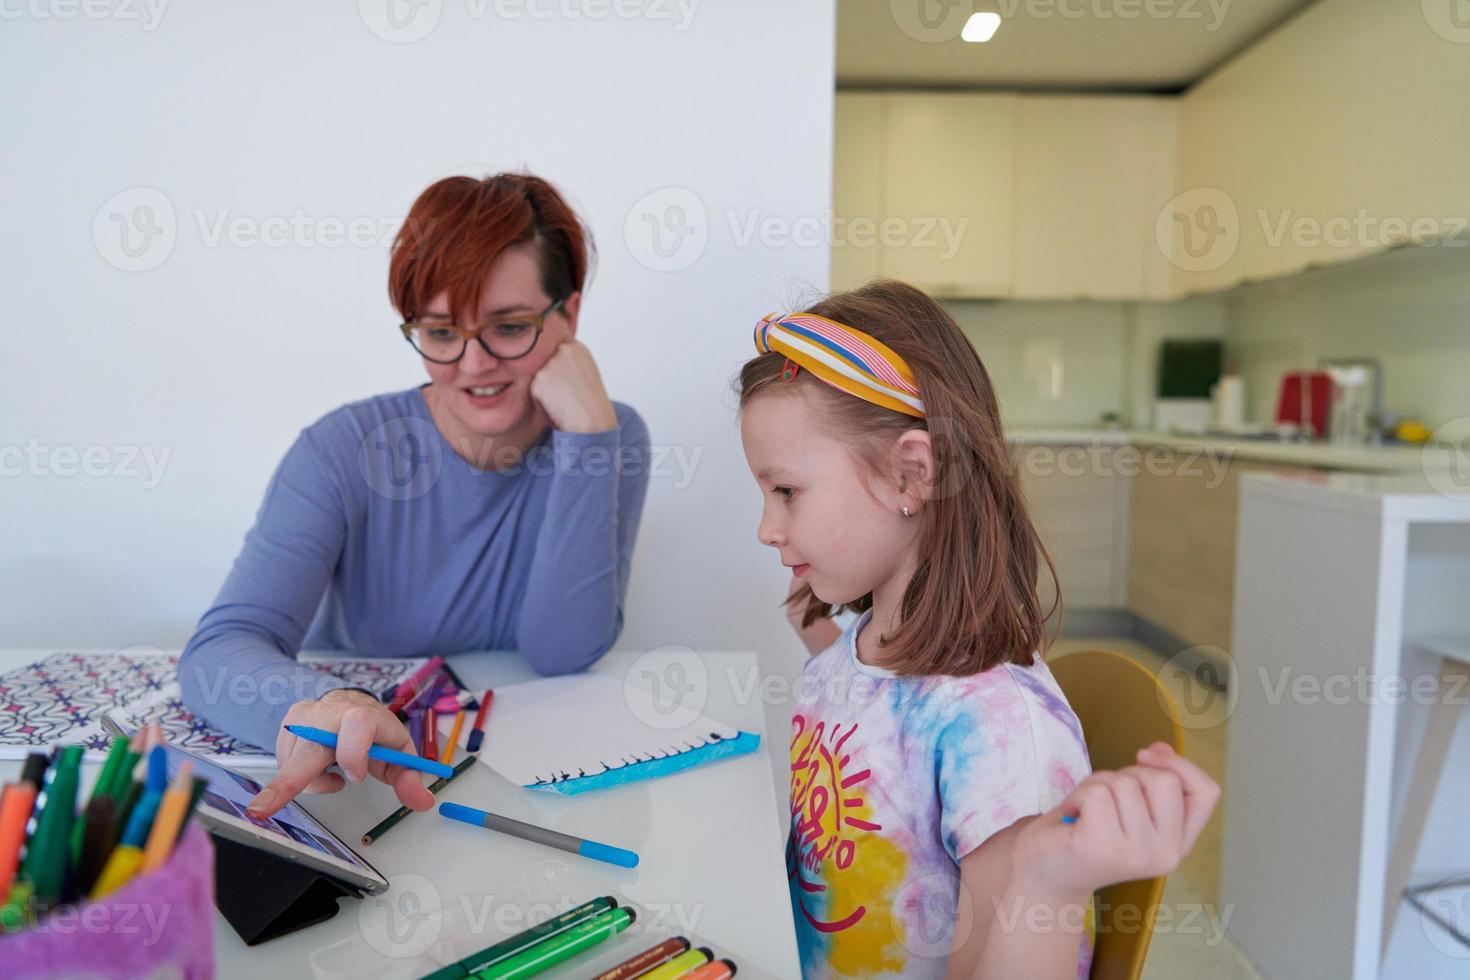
[376,537]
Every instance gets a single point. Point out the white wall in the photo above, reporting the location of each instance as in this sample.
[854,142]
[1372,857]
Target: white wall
[220,354]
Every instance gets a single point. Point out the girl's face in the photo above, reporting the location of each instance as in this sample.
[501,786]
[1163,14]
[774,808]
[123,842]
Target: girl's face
[512,287]
[836,525]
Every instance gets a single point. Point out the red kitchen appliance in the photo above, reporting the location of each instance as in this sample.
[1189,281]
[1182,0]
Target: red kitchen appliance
[1305,401]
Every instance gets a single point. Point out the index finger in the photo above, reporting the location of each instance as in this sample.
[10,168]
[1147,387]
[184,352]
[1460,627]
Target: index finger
[307,762]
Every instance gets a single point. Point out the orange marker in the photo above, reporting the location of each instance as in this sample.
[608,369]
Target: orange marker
[15,810]
[453,738]
[718,970]
[170,817]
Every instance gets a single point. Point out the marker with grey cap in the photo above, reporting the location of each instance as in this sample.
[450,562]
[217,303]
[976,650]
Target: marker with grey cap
[539,835]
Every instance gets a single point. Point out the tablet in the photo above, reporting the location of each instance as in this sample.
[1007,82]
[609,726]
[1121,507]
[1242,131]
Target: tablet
[291,833]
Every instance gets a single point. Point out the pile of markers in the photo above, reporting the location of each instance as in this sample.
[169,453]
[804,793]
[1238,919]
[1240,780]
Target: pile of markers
[52,855]
[433,690]
[572,933]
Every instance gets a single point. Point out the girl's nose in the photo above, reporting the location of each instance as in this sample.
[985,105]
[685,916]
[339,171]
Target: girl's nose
[769,533]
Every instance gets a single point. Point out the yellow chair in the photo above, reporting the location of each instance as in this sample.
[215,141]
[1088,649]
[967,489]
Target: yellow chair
[1122,707]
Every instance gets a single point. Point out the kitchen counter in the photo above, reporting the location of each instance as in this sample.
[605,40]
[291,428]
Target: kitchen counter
[1437,496]
[1366,459]
[1340,579]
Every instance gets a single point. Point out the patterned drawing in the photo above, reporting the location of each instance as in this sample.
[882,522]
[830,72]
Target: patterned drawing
[183,728]
[63,698]
[60,699]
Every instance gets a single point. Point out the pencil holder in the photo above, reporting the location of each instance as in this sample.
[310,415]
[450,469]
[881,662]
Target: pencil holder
[158,924]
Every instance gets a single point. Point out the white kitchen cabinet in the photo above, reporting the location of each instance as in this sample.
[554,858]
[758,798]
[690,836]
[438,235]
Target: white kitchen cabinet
[1327,140]
[1091,175]
[979,195]
[948,191]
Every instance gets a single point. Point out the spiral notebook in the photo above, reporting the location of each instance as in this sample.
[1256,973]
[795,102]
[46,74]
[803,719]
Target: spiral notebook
[584,732]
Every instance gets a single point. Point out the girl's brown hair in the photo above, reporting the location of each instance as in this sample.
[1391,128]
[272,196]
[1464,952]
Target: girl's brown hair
[973,602]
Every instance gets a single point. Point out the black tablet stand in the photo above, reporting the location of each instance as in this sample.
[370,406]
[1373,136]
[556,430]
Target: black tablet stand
[264,895]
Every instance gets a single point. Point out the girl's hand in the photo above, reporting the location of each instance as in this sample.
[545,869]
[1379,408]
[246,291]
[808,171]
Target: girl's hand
[1137,822]
[569,390]
[359,721]
[819,635]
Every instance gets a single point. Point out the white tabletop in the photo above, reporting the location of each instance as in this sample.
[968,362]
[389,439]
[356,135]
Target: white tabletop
[712,860]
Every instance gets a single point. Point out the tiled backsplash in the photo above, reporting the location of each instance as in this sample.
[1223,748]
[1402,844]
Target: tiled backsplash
[1409,308]
[1066,363]
[1051,363]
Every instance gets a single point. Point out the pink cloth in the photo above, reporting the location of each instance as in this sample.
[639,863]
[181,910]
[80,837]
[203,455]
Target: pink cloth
[158,923]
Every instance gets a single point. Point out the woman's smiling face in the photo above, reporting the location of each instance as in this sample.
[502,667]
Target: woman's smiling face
[504,404]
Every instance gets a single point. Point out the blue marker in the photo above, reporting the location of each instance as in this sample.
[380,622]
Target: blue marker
[140,820]
[157,781]
[540,835]
[380,752]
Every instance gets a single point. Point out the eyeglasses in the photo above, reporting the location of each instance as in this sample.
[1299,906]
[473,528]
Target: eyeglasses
[504,338]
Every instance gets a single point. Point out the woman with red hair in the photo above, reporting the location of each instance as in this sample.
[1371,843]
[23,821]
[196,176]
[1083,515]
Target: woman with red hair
[493,507]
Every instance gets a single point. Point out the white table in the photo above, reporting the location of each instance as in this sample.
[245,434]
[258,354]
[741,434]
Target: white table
[711,857]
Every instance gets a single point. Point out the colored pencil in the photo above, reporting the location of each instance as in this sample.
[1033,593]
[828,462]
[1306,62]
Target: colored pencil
[170,818]
[393,819]
[453,737]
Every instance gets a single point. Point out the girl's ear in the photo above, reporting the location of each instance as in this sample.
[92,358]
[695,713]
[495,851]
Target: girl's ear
[915,466]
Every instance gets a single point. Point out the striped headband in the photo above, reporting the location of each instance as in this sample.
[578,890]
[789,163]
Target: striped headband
[846,359]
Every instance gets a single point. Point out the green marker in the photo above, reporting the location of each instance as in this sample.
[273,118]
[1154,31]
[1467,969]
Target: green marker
[524,940]
[117,788]
[49,853]
[561,947]
[100,788]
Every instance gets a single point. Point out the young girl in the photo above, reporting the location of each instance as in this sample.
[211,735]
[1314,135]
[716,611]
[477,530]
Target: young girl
[943,819]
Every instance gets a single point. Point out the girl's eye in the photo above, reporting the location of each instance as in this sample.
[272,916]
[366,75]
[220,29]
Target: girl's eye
[785,493]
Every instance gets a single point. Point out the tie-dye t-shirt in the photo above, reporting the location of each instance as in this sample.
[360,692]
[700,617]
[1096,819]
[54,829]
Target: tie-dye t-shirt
[893,781]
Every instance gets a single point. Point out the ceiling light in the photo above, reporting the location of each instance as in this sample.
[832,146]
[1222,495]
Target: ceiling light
[981,27]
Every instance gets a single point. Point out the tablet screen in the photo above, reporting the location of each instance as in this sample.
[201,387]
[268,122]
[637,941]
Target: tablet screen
[291,832]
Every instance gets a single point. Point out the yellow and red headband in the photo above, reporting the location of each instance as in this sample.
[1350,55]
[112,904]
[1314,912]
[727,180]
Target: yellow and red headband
[847,359]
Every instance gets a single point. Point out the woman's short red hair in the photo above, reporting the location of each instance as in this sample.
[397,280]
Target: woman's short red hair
[459,226]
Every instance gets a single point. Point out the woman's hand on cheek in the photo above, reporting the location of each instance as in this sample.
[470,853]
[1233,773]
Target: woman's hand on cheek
[569,390]
[359,721]
[1137,822]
